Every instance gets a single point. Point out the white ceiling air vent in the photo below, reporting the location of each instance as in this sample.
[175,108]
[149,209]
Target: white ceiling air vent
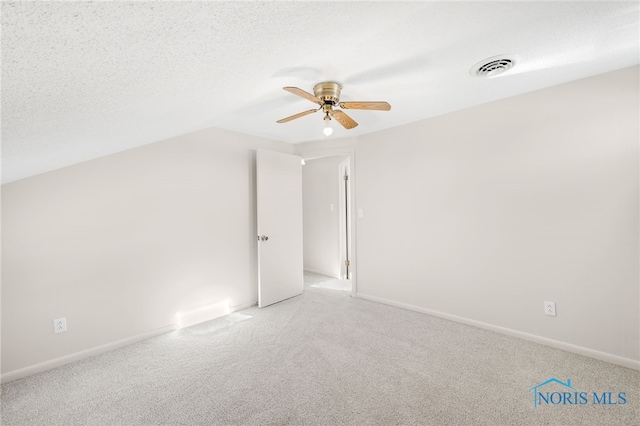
[494,66]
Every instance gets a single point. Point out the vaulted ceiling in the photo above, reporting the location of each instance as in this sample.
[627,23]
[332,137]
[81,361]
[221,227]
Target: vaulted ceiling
[82,80]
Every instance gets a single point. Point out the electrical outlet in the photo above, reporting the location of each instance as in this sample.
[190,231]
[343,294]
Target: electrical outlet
[550,308]
[59,325]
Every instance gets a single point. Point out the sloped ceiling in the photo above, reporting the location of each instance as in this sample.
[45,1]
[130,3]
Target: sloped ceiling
[82,80]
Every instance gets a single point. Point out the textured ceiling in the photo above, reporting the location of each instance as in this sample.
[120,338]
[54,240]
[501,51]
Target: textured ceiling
[82,80]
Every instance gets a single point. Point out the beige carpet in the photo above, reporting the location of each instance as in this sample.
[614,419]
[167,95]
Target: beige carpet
[328,283]
[323,358]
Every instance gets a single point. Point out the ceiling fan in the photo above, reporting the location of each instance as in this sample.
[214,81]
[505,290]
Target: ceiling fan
[327,95]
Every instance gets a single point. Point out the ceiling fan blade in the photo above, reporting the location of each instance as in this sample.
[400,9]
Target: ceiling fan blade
[344,119]
[298,115]
[378,106]
[303,94]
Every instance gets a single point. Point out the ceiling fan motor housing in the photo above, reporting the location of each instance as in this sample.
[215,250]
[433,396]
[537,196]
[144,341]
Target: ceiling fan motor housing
[328,92]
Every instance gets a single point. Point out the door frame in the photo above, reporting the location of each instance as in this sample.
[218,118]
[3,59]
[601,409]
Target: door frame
[353,232]
[344,214]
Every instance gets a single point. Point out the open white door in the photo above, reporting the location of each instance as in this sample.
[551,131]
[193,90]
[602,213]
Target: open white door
[279,205]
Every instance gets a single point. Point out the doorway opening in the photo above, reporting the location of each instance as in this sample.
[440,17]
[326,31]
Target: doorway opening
[328,233]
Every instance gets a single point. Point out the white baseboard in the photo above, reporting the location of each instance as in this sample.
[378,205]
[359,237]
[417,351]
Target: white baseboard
[313,271]
[580,350]
[242,306]
[67,359]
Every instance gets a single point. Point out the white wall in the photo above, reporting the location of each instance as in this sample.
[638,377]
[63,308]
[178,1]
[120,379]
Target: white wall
[485,213]
[320,189]
[118,245]
[480,214]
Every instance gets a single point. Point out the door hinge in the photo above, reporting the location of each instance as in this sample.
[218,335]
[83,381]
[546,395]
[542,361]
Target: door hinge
[346,177]
[347,263]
